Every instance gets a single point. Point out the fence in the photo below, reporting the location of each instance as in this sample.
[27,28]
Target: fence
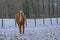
[31,22]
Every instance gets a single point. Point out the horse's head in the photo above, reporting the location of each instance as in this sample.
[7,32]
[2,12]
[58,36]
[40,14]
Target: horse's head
[21,12]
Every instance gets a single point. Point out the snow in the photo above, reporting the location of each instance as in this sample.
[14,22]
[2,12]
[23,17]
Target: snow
[41,31]
[37,33]
[31,22]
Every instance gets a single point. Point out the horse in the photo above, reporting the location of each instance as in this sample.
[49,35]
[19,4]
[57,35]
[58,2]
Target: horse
[20,20]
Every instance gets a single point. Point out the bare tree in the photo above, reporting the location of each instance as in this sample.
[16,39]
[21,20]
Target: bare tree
[57,11]
[2,17]
[43,11]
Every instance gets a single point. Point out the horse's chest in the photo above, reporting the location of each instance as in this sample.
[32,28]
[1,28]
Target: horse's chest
[21,17]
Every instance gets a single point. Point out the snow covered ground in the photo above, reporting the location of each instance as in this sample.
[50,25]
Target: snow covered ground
[41,31]
[36,33]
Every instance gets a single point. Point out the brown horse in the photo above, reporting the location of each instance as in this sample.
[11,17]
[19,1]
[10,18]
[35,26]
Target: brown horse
[20,19]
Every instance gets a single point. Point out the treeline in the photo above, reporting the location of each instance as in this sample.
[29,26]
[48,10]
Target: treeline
[31,8]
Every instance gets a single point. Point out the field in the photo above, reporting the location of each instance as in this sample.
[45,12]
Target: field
[41,31]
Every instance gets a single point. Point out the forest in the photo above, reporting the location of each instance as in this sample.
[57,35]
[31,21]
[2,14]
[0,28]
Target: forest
[31,8]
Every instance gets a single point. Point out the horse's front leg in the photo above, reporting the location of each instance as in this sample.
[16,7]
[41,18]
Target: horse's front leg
[20,29]
[23,29]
